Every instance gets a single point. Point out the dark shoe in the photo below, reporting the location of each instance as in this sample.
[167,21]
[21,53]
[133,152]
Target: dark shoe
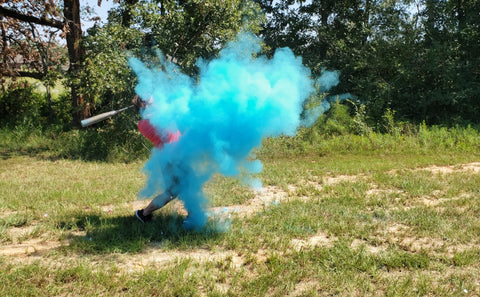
[141,217]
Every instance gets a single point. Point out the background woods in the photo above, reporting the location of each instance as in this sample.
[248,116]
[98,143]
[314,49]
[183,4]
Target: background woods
[419,58]
[402,61]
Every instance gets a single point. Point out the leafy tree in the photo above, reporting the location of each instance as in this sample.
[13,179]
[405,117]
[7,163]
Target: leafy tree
[438,81]
[25,15]
[418,58]
[106,80]
[31,50]
[182,30]
[187,30]
[335,35]
[34,46]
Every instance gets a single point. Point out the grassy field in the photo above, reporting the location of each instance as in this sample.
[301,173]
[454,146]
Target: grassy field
[388,221]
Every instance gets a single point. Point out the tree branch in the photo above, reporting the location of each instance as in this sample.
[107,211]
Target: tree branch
[43,20]
[36,75]
[22,73]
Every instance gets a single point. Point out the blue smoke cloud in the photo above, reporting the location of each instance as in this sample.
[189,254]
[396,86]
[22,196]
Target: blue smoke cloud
[237,100]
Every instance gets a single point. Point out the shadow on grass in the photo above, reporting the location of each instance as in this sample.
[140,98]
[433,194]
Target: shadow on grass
[108,234]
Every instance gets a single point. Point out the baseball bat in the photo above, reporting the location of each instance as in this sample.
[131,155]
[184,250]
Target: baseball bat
[103,116]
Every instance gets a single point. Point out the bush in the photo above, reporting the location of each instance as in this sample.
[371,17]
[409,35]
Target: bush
[116,139]
[335,122]
[21,105]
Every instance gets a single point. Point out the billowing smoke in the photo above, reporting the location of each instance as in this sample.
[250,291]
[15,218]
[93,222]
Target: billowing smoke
[237,99]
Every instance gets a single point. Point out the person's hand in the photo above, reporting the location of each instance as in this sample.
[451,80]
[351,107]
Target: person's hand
[138,102]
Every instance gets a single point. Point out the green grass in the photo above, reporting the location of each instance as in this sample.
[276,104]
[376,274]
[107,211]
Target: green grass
[350,218]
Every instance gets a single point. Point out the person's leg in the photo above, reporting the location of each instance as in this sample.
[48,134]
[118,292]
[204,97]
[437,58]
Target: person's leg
[158,202]
[146,214]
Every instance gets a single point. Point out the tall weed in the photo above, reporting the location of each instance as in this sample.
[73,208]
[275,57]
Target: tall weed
[338,131]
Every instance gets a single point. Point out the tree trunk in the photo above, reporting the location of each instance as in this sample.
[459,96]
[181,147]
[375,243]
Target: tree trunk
[75,53]
[366,21]
[49,101]
[462,24]
[323,44]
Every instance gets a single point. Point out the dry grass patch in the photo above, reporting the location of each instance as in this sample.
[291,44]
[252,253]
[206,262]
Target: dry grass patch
[155,257]
[375,191]
[320,239]
[402,236]
[302,288]
[369,248]
[264,198]
[33,247]
[5,213]
[331,180]
[20,234]
[320,181]
[473,167]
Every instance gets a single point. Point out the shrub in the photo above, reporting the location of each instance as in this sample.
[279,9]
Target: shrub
[335,122]
[20,105]
[116,139]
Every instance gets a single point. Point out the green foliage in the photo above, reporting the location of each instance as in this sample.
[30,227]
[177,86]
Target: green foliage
[337,121]
[420,63]
[109,141]
[420,60]
[22,105]
[108,84]
[360,120]
[183,31]
[338,131]
[26,128]
[26,105]
[389,125]
[106,80]
[118,139]
[114,140]
[187,30]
